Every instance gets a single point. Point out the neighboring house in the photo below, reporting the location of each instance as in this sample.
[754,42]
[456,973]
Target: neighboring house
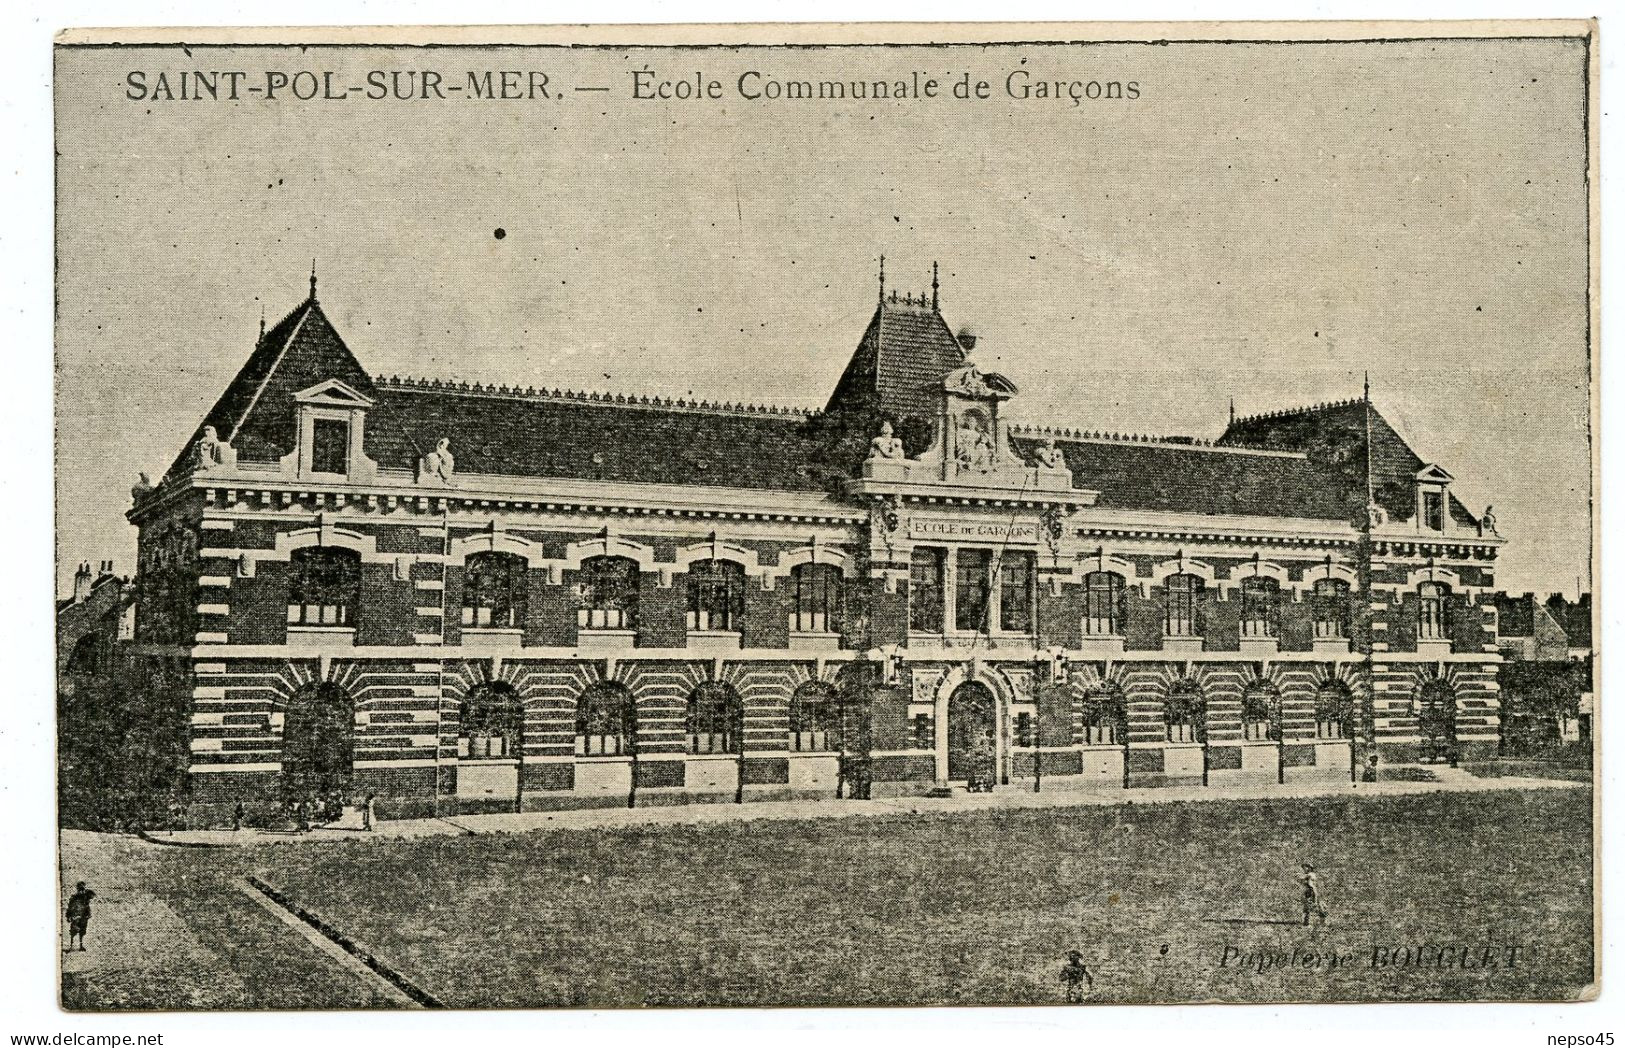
[1546,684]
[462,596]
[92,723]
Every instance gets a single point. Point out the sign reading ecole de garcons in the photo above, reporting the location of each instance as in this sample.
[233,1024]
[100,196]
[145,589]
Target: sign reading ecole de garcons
[926,530]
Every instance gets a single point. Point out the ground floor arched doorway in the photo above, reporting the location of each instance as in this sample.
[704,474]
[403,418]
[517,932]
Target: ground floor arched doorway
[1436,721]
[318,745]
[972,732]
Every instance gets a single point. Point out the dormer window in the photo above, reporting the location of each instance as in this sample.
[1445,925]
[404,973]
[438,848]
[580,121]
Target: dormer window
[330,446]
[1432,498]
[332,416]
[1433,510]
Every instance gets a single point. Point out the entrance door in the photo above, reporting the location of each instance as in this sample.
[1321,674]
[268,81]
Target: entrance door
[971,726]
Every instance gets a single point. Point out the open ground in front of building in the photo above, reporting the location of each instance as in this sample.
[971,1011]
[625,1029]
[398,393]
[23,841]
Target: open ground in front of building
[1478,894]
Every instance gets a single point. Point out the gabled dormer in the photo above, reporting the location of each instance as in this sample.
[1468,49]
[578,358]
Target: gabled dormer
[330,424]
[1433,498]
[300,374]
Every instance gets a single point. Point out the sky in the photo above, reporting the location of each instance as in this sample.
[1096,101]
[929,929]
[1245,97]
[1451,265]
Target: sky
[1264,222]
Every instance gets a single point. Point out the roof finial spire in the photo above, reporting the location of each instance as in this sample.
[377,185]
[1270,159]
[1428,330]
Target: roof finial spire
[933,286]
[1232,411]
[313,280]
[262,321]
[882,278]
[1368,387]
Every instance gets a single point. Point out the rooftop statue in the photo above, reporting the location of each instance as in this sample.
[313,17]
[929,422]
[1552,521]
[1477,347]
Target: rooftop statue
[438,465]
[208,451]
[886,446]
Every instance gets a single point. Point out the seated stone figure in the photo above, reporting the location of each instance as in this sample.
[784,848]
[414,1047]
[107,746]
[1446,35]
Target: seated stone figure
[438,465]
[207,451]
[886,446]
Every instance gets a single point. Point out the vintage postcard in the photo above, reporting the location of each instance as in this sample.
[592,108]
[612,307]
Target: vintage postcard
[825,515]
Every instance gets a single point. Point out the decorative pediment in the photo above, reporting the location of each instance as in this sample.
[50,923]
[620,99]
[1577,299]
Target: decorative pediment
[972,453]
[1433,474]
[334,393]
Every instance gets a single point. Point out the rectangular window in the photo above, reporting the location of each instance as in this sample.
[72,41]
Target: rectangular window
[1433,510]
[925,584]
[609,594]
[1331,609]
[972,590]
[1016,591]
[1103,601]
[817,599]
[1183,594]
[716,595]
[330,446]
[1432,623]
[1258,597]
[1024,730]
[922,732]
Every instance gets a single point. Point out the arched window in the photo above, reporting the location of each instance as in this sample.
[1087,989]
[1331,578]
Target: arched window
[606,721]
[1105,716]
[1334,711]
[1260,712]
[1102,604]
[814,718]
[491,724]
[325,587]
[1259,595]
[1186,712]
[818,598]
[1184,594]
[715,719]
[1433,613]
[494,591]
[609,594]
[716,595]
[1331,601]
[925,589]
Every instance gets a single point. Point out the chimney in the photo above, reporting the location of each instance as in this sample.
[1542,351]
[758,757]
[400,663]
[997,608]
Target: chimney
[81,582]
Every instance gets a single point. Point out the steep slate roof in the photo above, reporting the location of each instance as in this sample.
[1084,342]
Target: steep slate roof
[1194,479]
[1336,433]
[256,414]
[895,370]
[904,352]
[1573,616]
[582,438]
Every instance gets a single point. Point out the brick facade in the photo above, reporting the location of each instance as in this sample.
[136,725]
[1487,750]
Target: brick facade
[222,543]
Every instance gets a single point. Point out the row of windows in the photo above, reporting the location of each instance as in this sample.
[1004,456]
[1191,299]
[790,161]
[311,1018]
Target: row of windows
[1105,716]
[326,590]
[980,582]
[714,722]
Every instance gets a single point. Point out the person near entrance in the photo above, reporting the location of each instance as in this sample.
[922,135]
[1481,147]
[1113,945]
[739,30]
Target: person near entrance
[79,914]
[367,811]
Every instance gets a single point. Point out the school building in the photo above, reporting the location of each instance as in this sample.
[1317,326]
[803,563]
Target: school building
[464,597]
